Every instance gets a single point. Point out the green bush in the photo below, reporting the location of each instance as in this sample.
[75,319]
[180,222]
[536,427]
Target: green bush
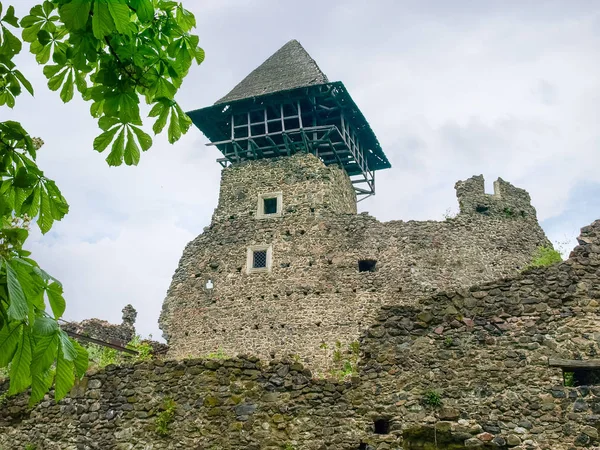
[433,398]
[165,417]
[544,256]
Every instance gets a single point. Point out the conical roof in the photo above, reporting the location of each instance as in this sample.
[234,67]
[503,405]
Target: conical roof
[290,67]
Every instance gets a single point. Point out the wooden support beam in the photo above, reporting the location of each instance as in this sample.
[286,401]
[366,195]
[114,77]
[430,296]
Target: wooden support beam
[92,340]
[574,363]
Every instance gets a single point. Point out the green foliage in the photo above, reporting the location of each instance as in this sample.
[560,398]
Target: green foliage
[569,379]
[165,417]
[31,447]
[143,348]
[345,361]
[115,54]
[288,446]
[433,398]
[448,341]
[544,256]
[219,354]
[101,357]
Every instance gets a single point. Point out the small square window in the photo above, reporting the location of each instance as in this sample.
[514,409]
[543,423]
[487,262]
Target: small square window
[259,258]
[269,205]
[366,265]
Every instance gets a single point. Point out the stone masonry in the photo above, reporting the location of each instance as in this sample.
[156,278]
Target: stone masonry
[314,293]
[484,351]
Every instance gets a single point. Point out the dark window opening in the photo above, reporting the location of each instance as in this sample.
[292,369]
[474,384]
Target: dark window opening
[481,209]
[382,426]
[259,260]
[270,205]
[366,265]
[363,446]
[581,377]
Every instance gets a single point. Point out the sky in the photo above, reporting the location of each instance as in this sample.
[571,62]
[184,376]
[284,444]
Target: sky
[506,89]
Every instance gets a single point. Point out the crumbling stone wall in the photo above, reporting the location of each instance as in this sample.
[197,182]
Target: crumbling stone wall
[120,334]
[484,349]
[315,293]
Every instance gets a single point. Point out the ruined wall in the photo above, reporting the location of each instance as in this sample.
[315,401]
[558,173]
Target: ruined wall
[120,334]
[315,293]
[485,351]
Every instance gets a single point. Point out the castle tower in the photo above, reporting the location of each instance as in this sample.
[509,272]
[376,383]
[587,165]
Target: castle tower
[287,266]
[286,106]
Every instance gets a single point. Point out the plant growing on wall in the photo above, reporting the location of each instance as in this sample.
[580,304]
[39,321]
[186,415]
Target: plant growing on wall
[544,256]
[165,417]
[433,398]
[115,54]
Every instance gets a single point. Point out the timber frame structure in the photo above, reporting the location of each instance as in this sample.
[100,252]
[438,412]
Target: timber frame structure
[315,117]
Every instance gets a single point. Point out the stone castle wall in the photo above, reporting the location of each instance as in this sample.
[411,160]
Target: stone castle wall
[314,293]
[484,350]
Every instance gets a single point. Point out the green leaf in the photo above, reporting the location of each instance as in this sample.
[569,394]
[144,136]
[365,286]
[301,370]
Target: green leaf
[129,110]
[75,14]
[132,151]
[107,122]
[10,17]
[185,19]
[20,372]
[24,179]
[82,360]
[120,14]
[161,121]
[18,308]
[45,326]
[143,9]
[144,139]
[102,141]
[56,299]
[44,37]
[24,81]
[30,32]
[66,345]
[41,381]
[57,80]
[199,55]
[11,44]
[115,158]
[102,21]
[45,219]
[9,337]
[65,378]
[174,128]
[52,70]
[43,56]
[66,93]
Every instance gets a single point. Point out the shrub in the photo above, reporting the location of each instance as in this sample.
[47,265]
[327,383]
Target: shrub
[433,398]
[165,417]
[544,256]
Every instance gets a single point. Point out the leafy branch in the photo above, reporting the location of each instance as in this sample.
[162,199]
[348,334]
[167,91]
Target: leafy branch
[115,54]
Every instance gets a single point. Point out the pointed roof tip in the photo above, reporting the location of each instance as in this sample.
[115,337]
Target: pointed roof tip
[290,67]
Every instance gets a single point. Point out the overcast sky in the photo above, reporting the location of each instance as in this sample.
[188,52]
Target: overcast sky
[452,89]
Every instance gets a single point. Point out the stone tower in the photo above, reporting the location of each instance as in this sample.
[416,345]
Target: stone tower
[286,265]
